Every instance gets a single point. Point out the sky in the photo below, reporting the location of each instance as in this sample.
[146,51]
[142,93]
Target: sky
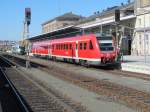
[12,13]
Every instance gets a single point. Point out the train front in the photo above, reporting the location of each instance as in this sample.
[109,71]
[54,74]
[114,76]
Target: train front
[108,50]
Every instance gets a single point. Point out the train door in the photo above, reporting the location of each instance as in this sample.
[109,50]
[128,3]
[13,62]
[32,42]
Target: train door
[76,50]
[49,50]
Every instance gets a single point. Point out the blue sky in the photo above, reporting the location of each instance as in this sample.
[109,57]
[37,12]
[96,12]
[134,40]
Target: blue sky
[12,13]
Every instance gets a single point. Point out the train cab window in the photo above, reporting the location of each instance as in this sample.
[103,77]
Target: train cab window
[70,46]
[81,46]
[90,45]
[85,44]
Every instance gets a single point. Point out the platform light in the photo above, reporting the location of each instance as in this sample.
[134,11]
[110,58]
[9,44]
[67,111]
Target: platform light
[117,15]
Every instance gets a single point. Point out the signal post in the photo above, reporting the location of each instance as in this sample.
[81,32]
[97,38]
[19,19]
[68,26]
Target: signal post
[26,30]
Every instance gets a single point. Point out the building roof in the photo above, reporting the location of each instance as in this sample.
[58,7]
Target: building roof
[59,33]
[109,10]
[67,16]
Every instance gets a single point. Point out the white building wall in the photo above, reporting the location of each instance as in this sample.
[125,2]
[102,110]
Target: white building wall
[141,41]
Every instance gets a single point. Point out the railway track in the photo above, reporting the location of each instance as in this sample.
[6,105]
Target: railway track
[131,74]
[106,70]
[130,97]
[40,98]
[10,99]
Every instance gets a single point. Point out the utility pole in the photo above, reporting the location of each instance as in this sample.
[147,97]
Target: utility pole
[117,20]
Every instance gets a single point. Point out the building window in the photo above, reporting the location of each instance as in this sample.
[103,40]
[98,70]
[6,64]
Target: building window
[146,39]
[140,39]
[139,22]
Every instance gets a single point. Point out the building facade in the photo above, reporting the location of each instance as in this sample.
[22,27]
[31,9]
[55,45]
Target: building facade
[59,22]
[104,23]
[6,45]
[133,29]
[141,41]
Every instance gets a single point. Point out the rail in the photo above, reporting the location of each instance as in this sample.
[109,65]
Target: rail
[23,106]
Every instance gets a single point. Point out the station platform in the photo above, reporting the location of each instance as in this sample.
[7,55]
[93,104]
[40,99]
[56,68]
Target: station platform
[139,64]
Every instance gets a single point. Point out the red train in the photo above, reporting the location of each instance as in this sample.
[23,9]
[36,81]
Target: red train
[85,50]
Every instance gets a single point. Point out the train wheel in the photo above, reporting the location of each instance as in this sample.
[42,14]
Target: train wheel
[73,61]
[53,58]
[65,60]
[84,63]
[87,64]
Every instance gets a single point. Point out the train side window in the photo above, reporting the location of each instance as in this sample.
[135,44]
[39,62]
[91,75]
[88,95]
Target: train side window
[67,46]
[70,46]
[61,46]
[85,45]
[64,46]
[81,46]
[90,45]
[56,46]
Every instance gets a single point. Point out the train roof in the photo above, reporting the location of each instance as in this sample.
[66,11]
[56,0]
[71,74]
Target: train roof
[59,33]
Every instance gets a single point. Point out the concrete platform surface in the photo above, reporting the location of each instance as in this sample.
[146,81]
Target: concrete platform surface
[139,64]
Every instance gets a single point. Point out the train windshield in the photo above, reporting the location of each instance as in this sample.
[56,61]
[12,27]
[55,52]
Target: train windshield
[105,43]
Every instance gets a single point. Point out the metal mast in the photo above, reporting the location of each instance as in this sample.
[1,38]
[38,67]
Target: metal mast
[26,35]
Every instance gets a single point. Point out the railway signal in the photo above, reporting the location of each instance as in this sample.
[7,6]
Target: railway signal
[28,15]
[25,42]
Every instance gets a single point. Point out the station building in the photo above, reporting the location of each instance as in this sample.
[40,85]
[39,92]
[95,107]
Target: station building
[104,23]
[141,40]
[132,31]
[59,22]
